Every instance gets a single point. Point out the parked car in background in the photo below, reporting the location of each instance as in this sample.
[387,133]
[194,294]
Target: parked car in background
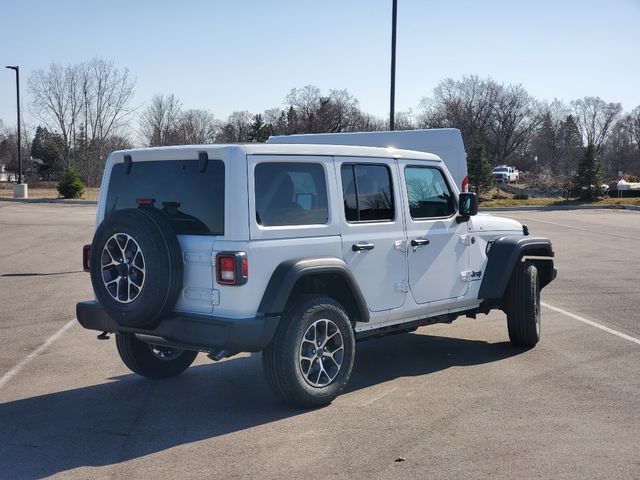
[505,174]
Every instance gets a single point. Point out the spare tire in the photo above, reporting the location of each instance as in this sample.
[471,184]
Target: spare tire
[136,266]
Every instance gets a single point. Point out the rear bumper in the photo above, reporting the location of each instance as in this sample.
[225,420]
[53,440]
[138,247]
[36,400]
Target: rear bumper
[200,332]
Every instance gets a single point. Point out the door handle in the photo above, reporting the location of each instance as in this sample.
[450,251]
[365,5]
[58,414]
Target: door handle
[419,242]
[358,247]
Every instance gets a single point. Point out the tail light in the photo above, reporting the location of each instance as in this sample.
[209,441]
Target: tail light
[465,184]
[86,258]
[232,268]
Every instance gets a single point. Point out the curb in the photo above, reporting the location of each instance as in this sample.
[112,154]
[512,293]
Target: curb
[560,207]
[48,200]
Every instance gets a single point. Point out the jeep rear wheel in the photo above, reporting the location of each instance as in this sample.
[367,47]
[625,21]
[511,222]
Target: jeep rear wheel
[523,305]
[152,361]
[310,358]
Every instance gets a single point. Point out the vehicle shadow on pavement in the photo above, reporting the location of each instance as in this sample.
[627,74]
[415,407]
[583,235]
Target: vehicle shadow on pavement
[129,417]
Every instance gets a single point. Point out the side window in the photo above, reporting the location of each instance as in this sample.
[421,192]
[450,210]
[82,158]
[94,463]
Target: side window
[290,194]
[428,192]
[367,191]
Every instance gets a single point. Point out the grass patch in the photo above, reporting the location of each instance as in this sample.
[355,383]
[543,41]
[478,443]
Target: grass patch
[550,202]
[89,193]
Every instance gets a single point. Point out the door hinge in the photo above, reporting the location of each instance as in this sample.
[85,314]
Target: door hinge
[467,239]
[202,295]
[402,286]
[465,276]
[197,256]
[400,245]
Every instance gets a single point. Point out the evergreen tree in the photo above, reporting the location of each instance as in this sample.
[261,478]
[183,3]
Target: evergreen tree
[49,148]
[259,130]
[587,180]
[480,177]
[71,185]
[292,121]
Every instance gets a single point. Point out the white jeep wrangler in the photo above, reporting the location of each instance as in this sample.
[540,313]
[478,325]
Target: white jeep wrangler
[297,251]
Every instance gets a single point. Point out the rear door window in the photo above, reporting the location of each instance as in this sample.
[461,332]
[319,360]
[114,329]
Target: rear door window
[367,192]
[192,200]
[289,193]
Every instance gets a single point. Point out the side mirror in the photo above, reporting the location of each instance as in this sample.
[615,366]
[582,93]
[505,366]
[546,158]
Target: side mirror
[468,205]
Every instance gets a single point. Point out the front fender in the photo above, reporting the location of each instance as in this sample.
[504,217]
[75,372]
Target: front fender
[502,258]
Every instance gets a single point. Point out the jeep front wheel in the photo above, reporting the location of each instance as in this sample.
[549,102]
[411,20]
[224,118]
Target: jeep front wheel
[152,361]
[523,305]
[309,361]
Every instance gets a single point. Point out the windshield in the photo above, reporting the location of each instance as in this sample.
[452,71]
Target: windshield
[500,169]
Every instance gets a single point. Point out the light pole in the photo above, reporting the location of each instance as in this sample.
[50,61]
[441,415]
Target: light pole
[392,100]
[21,189]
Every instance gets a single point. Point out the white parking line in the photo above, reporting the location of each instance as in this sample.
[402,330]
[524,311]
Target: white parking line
[591,322]
[25,361]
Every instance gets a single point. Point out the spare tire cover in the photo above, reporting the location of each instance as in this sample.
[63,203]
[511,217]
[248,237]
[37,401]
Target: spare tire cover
[136,266]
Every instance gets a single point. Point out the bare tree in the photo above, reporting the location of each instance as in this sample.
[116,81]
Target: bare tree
[57,100]
[107,93]
[158,122]
[466,104]
[197,127]
[276,118]
[342,113]
[514,118]
[370,123]
[621,152]
[311,112]
[547,143]
[306,102]
[633,124]
[595,117]
[501,117]
[85,103]
[236,129]
[404,120]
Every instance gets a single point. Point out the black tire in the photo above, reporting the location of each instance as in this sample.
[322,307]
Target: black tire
[162,262]
[523,305]
[140,358]
[281,359]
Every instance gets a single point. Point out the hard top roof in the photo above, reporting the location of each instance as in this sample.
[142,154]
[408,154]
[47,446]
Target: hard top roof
[290,149]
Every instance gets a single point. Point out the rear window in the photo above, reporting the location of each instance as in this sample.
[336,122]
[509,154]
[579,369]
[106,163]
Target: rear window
[367,192]
[192,200]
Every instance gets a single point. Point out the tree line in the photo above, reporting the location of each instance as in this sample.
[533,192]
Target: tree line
[84,111]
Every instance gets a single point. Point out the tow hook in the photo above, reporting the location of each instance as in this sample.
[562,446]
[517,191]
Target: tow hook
[103,336]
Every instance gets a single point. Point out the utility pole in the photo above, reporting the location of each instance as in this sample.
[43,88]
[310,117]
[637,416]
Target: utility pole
[20,190]
[392,109]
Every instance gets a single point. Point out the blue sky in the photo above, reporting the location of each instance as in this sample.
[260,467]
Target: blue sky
[246,55]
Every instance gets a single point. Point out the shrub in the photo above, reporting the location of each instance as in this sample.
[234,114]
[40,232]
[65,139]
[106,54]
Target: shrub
[521,196]
[71,185]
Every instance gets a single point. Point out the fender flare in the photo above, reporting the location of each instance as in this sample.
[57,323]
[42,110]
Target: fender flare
[503,255]
[287,274]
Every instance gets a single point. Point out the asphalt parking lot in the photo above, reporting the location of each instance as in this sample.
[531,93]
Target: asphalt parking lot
[454,401]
